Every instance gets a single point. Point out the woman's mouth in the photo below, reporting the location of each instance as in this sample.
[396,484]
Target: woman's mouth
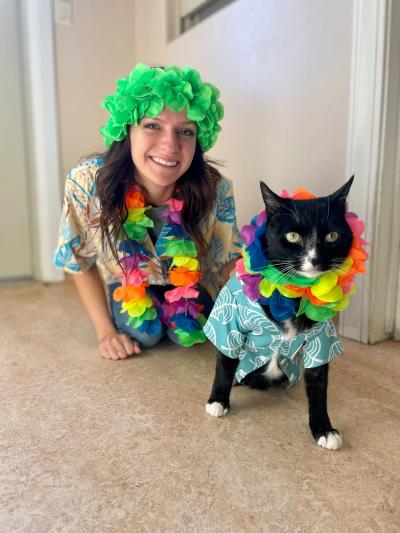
[163,162]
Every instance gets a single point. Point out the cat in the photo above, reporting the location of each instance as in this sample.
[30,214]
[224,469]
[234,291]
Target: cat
[305,238]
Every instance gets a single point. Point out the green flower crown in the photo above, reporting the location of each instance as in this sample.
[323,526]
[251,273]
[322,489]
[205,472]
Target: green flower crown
[146,91]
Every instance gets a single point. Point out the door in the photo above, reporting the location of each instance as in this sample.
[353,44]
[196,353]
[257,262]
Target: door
[15,234]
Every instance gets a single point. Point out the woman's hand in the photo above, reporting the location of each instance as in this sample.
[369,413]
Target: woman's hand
[116,345]
[112,345]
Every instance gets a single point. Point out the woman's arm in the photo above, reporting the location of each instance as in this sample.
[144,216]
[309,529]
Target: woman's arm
[227,271]
[112,345]
[225,239]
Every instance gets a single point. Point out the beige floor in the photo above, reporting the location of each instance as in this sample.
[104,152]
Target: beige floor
[89,445]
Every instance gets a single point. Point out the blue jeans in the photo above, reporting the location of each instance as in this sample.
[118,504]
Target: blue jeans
[155,291]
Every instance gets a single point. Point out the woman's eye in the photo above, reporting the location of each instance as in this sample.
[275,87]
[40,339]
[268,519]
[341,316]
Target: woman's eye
[151,126]
[332,236]
[293,237]
[187,133]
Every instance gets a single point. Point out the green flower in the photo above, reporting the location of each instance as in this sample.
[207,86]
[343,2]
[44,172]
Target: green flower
[200,104]
[193,78]
[149,314]
[318,313]
[156,106]
[175,92]
[113,132]
[146,91]
[140,75]
[181,247]
[187,339]
[121,109]
[137,229]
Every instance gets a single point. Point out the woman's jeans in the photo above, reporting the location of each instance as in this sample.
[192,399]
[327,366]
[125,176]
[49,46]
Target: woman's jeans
[155,291]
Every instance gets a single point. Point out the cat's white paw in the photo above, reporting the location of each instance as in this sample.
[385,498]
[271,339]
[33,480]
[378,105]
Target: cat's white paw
[332,441]
[216,409]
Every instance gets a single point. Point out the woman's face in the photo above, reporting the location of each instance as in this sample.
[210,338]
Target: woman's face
[162,149]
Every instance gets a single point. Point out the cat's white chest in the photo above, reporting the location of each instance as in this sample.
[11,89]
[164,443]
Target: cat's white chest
[290,330]
[273,370]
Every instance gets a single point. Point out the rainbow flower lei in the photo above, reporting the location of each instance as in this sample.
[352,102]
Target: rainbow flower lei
[320,298]
[179,311]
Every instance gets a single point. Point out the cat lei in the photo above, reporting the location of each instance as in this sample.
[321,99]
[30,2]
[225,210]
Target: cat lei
[179,311]
[321,297]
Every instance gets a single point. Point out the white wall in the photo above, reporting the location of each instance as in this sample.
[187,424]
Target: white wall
[95,50]
[283,68]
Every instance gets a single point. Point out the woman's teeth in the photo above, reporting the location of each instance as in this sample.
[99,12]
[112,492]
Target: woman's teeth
[163,162]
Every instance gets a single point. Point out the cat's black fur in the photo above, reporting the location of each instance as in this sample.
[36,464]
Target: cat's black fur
[313,220]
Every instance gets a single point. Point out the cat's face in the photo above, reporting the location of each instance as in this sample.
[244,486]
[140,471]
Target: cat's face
[307,237]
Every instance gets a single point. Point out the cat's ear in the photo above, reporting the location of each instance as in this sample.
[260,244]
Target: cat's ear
[341,194]
[271,200]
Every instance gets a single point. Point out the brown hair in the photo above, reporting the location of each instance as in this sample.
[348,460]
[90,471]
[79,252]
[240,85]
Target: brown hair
[197,187]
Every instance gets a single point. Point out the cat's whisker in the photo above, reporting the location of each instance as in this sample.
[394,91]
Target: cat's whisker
[328,206]
[283,262]
[286,269]
[336,266]
[294,214]
[286,272]
[297,217]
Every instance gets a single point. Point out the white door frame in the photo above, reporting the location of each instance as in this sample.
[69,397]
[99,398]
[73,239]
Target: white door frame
[369,155]
[44,155]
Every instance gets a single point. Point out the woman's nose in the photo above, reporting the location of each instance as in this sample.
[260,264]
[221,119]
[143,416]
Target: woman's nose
[170,141]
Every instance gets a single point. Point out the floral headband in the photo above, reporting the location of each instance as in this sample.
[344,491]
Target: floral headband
[147,90]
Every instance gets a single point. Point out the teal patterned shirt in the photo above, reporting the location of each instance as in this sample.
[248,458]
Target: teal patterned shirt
[240,329]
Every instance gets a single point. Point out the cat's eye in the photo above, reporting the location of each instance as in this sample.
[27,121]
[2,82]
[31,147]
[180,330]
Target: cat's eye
[293,237]
[332,236]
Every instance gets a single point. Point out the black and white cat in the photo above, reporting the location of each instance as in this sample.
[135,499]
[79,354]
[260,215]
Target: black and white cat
[303,238]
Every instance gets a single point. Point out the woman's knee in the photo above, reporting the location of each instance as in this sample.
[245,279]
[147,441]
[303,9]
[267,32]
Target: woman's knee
[145,340]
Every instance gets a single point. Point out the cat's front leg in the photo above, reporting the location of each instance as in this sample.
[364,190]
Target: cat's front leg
[218,403]
[317,387]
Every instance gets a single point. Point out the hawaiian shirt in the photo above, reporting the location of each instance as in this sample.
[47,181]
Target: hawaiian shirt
[80,246]
[240,329]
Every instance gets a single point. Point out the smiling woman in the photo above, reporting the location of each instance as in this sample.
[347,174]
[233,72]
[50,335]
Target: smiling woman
[155,216]
[162,150]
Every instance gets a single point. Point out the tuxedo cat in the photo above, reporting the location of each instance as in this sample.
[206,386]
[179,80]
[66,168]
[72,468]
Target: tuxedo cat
[303,238]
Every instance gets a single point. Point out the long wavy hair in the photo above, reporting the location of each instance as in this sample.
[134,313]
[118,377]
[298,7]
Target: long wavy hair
[197,187]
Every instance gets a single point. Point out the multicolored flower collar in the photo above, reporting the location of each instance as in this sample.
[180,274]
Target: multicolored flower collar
[320,298]
[179,311]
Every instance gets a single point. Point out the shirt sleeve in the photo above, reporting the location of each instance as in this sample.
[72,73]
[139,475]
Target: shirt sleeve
[224,241]
[222,327]
[76,251]
[322,345]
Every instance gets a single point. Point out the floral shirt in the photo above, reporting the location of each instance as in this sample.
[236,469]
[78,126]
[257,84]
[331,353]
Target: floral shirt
[80,246]
[241,330]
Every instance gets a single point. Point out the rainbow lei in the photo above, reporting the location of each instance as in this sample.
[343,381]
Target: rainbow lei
[179,311]
[320,298]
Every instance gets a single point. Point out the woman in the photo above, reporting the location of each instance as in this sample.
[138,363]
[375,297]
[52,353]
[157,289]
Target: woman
[151,213]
